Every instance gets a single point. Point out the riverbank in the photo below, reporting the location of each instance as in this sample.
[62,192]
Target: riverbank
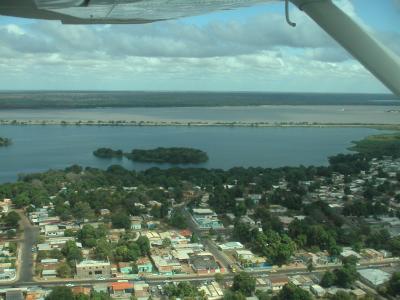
[196,123]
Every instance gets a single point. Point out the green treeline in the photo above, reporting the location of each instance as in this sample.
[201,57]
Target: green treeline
[379,145]
[107,153]
[5,142]
[92,99]
[173,155]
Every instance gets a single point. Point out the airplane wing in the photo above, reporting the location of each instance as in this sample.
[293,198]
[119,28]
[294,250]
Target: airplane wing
[379,60]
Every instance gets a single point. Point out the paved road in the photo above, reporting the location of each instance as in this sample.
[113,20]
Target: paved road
[31,232]
[155,280]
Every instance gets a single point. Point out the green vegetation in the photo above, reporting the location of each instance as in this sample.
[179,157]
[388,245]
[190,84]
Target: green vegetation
[5,142]
[183,290]
[11,219]
[173,155]
[60,293]
[82,193]
[65,293]
[108,153]
[292,292]
[393,286]
[86,99]
[244,283]
[379,145]
[343,277]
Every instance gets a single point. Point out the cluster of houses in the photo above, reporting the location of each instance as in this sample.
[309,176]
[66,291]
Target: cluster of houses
[179,255]
[121,290]
[8,249]
[172,251]
[8,257]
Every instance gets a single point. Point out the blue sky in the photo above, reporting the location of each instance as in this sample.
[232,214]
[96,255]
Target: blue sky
[250,49]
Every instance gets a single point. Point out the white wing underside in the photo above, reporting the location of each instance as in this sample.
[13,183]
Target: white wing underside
[149,10]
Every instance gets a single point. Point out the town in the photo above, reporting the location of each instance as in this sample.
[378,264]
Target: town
[288,233]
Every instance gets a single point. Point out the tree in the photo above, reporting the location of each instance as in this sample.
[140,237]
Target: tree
[393,286]
[178,220]
[292,292]
[219,277]
[310,265]
[64,270]
[194,238]
[12,233]
[103,249]
[121,220]
[82,210]
[60,293]
[394,246]
[12,219]
[81,296]
[278,249]
[55,253]
[21,200]
[144,245]
[184,290]
[346,276]
[71,251]
[99,296]
[328,279]
[230,295]
[244,283]
[341,295]
[166,243]
[87,235]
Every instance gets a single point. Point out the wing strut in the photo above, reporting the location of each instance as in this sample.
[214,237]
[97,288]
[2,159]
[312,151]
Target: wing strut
[287,14]
[379,60]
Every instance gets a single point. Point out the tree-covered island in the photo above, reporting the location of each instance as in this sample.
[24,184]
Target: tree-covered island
[108,153]
[173,155]
[4,142]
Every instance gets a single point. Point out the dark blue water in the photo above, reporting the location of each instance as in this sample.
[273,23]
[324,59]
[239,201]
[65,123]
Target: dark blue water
[38,148]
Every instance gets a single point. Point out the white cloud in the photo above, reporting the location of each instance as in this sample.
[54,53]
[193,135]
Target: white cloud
[260,52]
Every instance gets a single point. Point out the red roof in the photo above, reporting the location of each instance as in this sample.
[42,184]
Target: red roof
[120,286]
[186,233]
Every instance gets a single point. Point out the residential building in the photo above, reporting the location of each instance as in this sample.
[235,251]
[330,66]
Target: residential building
[204,264]
[93,269]
[206,218]
[121,290]
[144,265]
[373,277]
[230,246]
[277,283]
[317,290]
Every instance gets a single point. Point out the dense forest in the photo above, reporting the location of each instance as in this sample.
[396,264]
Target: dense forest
[173,155]
[5,142]
[107,153]
[379,145]
[91,99]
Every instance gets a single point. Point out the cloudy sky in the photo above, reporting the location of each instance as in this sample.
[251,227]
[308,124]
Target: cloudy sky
[250,49]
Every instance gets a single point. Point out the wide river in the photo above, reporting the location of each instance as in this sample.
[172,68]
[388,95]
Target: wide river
[37,148]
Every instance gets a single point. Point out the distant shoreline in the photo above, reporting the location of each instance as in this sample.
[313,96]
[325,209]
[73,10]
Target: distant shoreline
[195,123]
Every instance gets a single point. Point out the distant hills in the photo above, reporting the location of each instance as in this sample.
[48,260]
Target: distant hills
[89,99]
